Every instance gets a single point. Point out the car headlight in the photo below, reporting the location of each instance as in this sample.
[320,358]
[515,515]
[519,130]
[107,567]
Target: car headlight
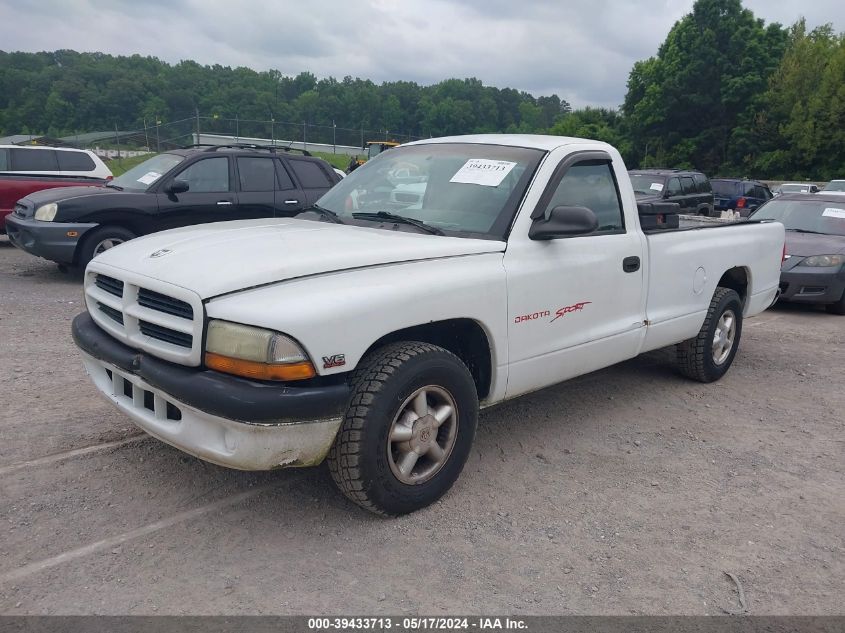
[46,212]
[823,261]
[255,353]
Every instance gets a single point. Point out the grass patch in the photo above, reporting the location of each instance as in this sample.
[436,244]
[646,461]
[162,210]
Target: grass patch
[121,166]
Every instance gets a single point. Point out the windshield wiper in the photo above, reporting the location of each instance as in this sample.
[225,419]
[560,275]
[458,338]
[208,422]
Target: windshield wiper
[401,219]
[111,185]
[806,231]
[328,214]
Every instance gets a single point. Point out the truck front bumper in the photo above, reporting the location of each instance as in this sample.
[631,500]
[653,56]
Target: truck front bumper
[55,241]
[222,419]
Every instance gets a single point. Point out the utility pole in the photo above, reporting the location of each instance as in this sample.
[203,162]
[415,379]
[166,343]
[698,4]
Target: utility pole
[334,137]
[197,110]
[273,130]
[158,123]
[237,128]
[304,139]
[117,141]
[146,136]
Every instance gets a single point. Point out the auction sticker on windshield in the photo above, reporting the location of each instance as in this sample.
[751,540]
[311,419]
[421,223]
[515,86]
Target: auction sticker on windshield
[657,186]
[834,213]
[149,178]
[481,171]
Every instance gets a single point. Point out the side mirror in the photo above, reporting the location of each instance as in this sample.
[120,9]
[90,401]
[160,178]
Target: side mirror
[564,222]
[177,186]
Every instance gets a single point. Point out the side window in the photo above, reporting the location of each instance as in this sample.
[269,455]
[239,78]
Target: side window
[4,160]
[256,174]
[673,187]
[75,161]
[310,174]
[688,184]
[590,184]
[285,181]
[33,159]
[702,184]
[207,175]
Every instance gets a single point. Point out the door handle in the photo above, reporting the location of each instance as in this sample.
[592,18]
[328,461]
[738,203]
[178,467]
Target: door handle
[631,264]
[224,202]
[291,201]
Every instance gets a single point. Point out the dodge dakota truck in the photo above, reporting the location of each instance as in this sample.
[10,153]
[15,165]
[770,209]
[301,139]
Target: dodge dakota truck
[441,277]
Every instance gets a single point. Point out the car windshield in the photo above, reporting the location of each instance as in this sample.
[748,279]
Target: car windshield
[462,189]
[140,177]
[835,185]
[795,188]
[812,216]
[724,187]
[644,183]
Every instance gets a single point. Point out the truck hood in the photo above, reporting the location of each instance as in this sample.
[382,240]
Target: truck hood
[224,257]
[808,244]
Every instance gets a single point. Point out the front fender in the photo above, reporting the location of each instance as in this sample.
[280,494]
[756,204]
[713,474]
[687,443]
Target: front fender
[336,317]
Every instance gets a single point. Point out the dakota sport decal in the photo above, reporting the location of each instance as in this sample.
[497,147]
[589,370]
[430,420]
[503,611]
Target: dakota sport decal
[577,307]
[541,314]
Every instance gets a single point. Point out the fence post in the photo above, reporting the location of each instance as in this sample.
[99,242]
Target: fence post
[304,139]
[197,110]
[117,141]
[334,137]
[158,144]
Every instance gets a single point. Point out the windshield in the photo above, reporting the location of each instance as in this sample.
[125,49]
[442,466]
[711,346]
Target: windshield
[142,176]
[835,185]
[724,187]
[810,215]
[644,183]
[795,188]
[461,189]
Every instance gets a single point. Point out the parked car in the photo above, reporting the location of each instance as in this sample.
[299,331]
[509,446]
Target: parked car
[739,194]
[835,186]
[690,189]
[13,187]
[813,270]
[796,187]
[52,161]
[177,188]
[371,330]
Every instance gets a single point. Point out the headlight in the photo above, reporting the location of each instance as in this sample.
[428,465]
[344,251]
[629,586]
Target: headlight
[255,353]
[46,212]
[819,261]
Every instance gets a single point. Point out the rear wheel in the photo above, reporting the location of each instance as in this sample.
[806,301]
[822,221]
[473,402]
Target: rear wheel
[99,241]
[408,430]
[709,355]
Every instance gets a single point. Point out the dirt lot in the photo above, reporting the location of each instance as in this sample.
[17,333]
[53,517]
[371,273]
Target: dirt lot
[626,491]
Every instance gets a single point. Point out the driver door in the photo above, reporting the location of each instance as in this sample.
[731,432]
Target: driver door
[210,196]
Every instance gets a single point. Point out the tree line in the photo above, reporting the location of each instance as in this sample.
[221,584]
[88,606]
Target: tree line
[726,93]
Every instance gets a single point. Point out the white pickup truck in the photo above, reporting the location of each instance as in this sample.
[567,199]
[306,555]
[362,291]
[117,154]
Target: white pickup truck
[442,276]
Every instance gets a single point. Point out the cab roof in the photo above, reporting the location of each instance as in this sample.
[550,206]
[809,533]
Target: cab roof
[544,142]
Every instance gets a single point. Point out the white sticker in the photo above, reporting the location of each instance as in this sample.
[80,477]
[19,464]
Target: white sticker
[657,186]
[149,178]
[480,171]
[834,213]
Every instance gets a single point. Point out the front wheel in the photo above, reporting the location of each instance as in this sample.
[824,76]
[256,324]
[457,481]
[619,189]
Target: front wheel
[838,307]
[100,240]
[408,430]
[709,355]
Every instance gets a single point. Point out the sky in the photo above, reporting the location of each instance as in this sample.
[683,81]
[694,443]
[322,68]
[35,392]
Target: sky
[581,50]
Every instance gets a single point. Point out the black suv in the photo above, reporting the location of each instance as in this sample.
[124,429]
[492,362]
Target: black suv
[177,188]
[690,189]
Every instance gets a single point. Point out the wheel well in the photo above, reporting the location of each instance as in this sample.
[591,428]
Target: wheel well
[465,338]
[736,279]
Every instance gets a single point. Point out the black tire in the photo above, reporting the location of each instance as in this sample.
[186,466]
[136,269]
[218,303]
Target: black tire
[93,239]
[838,307]
[359,460]
[696,355]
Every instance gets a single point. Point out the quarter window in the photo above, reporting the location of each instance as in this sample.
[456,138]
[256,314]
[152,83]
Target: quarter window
[701,183]
[256,174]
[590,184]
[75,161]
[310,174]
[689,185]
[24,159]
[207,175]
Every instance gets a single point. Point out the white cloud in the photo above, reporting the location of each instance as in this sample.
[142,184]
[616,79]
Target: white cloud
[581,50]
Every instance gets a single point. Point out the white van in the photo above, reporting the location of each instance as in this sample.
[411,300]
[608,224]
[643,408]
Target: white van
[52,161]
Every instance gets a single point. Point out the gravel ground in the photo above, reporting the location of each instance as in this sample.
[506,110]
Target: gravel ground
[627,491]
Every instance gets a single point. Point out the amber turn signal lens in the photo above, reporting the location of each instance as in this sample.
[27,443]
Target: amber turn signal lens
[259,371]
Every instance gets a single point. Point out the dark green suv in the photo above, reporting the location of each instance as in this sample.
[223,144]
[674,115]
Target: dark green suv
[690,189]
